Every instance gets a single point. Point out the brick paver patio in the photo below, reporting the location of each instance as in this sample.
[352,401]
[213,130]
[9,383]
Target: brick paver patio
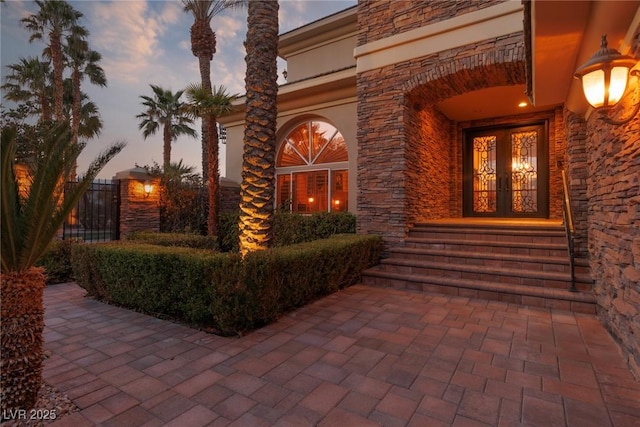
[361,357]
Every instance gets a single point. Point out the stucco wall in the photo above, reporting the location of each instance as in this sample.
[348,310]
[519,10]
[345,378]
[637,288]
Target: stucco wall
[341,115]
[329,57]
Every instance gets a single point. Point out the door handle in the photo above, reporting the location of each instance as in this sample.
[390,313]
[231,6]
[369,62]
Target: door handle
[507,183]
[500,183]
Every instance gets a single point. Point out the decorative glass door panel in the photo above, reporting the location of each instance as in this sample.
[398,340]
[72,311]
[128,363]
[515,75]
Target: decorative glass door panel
[524,172]
[484,174]
[505,172]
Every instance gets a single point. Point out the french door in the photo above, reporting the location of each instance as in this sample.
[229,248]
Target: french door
[506,172]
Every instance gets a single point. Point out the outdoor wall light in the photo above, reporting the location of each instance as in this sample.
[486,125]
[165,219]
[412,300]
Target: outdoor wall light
[148,188]
[605,77]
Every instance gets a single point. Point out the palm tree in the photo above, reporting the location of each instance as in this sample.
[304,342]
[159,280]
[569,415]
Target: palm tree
[55,19]
[203,46]
[165,109]
[258,165]
[84,64]
[29,81]
[31,216]
[209,104]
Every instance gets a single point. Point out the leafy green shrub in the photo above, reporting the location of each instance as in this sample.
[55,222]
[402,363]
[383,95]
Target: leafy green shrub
[172,281]
[56,261]
[229,232]
[291,228]
[220,289]
[175,239]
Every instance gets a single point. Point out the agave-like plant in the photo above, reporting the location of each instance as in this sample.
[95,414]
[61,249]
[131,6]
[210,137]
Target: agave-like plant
[33,208]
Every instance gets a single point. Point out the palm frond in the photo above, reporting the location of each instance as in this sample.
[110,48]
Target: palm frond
[30,221]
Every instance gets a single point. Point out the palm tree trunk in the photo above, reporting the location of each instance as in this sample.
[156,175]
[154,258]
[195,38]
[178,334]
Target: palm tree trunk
[205,81]
[166,152]
[258,166]
[58,88]
[75,112]
[22,320]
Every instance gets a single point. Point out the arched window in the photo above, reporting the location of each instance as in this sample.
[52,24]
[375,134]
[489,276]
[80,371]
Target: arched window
[312,169]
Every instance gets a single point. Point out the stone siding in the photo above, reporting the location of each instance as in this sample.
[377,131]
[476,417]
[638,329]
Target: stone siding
[229,195]
[613,191]
[428,159]
[138,212]
[386,18]
[576,168]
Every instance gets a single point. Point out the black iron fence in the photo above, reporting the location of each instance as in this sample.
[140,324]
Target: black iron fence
[96,217]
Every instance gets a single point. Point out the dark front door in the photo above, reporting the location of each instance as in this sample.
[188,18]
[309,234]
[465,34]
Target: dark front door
[506,172]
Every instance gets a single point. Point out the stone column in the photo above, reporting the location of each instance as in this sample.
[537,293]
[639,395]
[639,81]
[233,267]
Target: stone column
[229,195]
[139,209]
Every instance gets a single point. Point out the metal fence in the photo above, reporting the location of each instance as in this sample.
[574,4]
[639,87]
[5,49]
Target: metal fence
[96,217]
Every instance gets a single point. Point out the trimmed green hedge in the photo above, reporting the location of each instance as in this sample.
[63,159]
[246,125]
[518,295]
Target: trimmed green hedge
[290,228]
[175,239]
[220,290]
[57,262]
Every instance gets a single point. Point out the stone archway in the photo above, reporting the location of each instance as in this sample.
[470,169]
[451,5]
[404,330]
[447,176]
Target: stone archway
[409,167]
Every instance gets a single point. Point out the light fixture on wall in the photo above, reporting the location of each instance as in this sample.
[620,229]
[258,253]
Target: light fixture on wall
[605,77]
[148,188]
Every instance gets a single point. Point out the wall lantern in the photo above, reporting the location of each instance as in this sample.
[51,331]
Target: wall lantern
[148,188]
[605,77]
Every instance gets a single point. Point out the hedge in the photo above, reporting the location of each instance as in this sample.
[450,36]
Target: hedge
[186,240]
[290,228]
[220,290]
[57,262]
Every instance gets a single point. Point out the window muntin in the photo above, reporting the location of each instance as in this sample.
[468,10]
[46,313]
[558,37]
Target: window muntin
[311,174]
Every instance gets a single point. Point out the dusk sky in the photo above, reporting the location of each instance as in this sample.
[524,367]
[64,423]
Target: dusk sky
[146,42]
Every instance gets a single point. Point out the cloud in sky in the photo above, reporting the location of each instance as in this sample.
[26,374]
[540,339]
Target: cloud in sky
[147,42]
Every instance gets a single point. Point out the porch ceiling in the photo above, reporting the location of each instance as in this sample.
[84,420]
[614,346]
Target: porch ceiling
[564,35]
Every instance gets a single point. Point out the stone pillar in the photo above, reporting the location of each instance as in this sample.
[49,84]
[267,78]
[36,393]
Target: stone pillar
[139,210]
[229,195]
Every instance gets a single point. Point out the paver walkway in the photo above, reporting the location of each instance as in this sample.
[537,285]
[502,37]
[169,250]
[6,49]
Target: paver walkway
[364,356]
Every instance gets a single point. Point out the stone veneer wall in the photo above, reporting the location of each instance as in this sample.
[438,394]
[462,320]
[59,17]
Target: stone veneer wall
[429,154]
[385,18]
[138,212]
[613,192]
[576,168]
[390,97]
[229,195]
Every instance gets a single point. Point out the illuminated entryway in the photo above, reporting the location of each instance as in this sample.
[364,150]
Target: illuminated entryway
[506,172]
[312,169]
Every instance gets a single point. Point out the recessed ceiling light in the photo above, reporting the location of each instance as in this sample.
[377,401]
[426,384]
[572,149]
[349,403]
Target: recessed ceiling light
[522,104]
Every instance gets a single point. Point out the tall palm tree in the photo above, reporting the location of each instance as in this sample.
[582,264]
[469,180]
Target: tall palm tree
[203,46]
[31,216]
[165,109]
[209,104]
[90,123]
[84,63]
[258,164]
[30,81]
[55,20]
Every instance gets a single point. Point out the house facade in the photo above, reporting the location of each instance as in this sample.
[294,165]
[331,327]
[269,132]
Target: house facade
[404,112]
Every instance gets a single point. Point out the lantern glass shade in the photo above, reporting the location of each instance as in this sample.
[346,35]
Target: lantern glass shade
[618,84]
[605,76]
[593,87]
[602,90]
